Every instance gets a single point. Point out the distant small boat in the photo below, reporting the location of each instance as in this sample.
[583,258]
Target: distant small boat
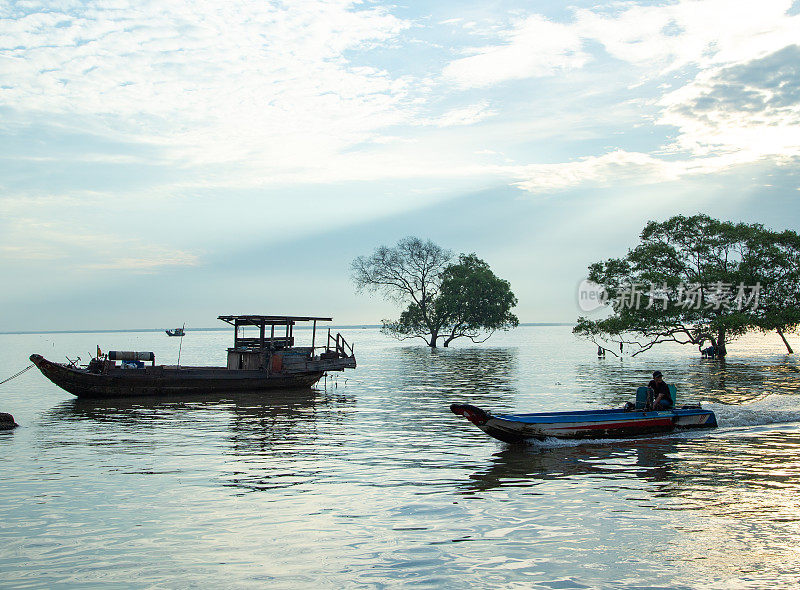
[632,420]
[177,331]
[7,421]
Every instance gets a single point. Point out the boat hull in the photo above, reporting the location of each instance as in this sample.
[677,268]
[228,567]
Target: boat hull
[163,380]
[584,424]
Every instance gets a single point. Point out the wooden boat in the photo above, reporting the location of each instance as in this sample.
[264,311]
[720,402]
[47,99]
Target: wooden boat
[632,420]
[177,331]
[255,364]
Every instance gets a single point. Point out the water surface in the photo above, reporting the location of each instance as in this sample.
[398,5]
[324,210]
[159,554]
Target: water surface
[370,481]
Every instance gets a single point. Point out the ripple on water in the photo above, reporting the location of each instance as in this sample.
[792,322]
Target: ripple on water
[371,481]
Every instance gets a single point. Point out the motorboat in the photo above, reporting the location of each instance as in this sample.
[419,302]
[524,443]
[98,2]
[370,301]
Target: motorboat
[632,420]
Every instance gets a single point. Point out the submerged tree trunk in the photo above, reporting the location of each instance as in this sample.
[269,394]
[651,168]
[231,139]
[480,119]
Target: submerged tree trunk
[786,342]
[434,338]
[720,348]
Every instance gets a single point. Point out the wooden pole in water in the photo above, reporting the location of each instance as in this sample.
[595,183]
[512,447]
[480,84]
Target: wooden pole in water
[180,346]
[313,336]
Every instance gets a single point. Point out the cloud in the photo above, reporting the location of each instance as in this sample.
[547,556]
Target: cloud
[622,168]
[209,82]
[656,40]
[727,117]
[730,91]
[76,248]
[663,38]
[467,115]
[617,166]
[149,259]
[534,47]
[269,94]
[752,108]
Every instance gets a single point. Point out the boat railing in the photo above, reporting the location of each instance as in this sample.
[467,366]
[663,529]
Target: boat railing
[337,344]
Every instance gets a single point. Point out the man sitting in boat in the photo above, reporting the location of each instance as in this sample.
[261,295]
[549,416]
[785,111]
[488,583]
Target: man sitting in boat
[663,399]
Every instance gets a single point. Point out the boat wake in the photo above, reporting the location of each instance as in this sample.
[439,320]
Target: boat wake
[773,409]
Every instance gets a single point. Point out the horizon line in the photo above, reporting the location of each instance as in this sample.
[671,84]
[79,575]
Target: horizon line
[215,329]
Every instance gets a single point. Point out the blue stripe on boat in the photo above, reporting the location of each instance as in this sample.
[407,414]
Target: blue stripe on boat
[595,416]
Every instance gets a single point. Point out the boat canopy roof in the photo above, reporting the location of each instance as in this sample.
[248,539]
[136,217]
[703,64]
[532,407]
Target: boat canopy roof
[269,320]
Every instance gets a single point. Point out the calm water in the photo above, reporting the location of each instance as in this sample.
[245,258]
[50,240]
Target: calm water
[369,481]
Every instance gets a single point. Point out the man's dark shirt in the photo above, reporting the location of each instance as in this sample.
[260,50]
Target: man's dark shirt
[660,388]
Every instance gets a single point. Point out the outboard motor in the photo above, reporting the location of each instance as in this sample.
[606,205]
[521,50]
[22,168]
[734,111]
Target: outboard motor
[644,397]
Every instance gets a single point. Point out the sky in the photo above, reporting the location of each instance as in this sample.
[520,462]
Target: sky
[171,161]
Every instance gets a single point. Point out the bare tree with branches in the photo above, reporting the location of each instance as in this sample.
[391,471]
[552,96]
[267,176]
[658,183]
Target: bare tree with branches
[443,299]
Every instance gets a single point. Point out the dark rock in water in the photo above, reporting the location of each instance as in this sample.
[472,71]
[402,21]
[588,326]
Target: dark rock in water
[7,421]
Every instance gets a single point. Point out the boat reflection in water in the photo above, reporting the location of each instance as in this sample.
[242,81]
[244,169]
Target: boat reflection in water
[528,466]
[687,474]
[269,440]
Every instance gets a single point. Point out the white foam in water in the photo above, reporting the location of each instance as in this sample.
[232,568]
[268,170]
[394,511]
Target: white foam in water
[550,443]
[773,409]
[553,443]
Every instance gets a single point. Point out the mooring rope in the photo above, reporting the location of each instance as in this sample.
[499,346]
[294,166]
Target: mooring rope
[17,375]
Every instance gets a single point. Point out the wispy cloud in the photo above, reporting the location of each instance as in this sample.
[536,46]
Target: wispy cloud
[533,47]
[211,82]
[467,115]
[144,136]
[729,84]
[752,108]
[268,93]
[596,170]
[75,248]
[621,168]
[663,38]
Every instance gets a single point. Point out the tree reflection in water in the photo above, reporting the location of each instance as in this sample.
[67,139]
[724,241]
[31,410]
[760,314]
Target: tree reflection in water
[466,373]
